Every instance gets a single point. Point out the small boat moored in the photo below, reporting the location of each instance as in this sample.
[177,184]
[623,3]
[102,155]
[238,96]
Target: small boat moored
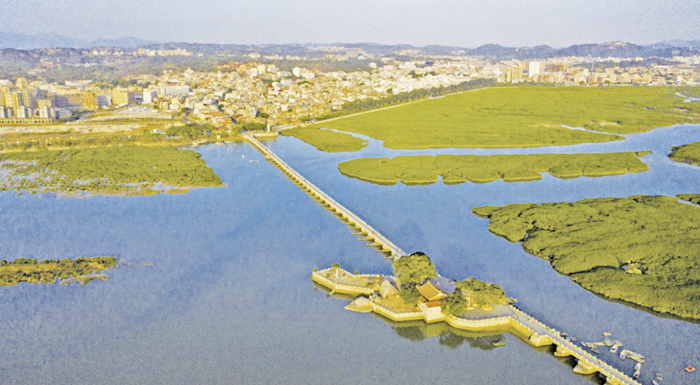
[689,369]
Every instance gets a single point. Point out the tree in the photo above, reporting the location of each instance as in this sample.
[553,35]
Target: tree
[414,269]
[409,295]
[455,304]
[483,293]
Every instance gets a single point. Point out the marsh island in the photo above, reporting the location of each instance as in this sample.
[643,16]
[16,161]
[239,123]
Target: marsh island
[83,270]
[454,169]
[129,170]
[640,249]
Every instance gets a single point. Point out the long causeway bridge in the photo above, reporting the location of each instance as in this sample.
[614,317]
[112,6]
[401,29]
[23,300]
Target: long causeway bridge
[368,233]
[536,333]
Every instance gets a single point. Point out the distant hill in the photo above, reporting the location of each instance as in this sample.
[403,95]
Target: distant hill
[681,43]
[52,40]
[664,49]
[611,49]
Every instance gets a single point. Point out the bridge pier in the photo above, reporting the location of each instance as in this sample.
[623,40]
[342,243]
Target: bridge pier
[585,367]
[562,351]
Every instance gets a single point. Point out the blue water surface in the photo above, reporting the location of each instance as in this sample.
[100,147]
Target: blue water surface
[228,299]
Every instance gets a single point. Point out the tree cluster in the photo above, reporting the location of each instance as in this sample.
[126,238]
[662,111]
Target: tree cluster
[411,271]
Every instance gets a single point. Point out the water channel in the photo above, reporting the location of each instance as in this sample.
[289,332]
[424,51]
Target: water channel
[228,299]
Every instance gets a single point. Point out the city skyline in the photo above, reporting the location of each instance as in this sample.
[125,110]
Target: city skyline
[465,24]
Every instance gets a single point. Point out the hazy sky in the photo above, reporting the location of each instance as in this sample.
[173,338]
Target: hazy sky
[465,23]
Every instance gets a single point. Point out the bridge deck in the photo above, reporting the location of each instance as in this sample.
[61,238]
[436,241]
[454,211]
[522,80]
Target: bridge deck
[613,375]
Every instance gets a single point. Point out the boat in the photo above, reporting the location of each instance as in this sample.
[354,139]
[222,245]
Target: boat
[614,349]
[574,339]
[606,334]
[637,367]
[689,369]
[635,375]
[653,382]
[499,343]
[594,350]
[659,377]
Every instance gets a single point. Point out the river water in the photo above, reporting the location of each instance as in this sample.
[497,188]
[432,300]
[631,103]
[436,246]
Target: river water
[228,299]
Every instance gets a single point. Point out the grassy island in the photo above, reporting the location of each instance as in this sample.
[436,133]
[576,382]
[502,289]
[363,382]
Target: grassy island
[641,249]
[454,169]
[326,140]
[690,153]
[514,117]
[125,170]
[83,270]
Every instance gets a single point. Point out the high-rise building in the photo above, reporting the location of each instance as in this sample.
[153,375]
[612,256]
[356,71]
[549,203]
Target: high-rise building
[149,96]
[89,100]
[22,83]
[557,67]
[104,100]
[12,100]
[534,68]
[23,112]
[514,74]
[122,97]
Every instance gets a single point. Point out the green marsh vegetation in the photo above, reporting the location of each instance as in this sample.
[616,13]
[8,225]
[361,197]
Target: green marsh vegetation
[86,135]
[516,117]
[425,169]
[690,153]
[640,249]
[83,270]
[326,140]
[692,198]
[128,170]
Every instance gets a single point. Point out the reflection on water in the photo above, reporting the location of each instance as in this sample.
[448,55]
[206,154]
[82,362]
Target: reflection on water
[446,334]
